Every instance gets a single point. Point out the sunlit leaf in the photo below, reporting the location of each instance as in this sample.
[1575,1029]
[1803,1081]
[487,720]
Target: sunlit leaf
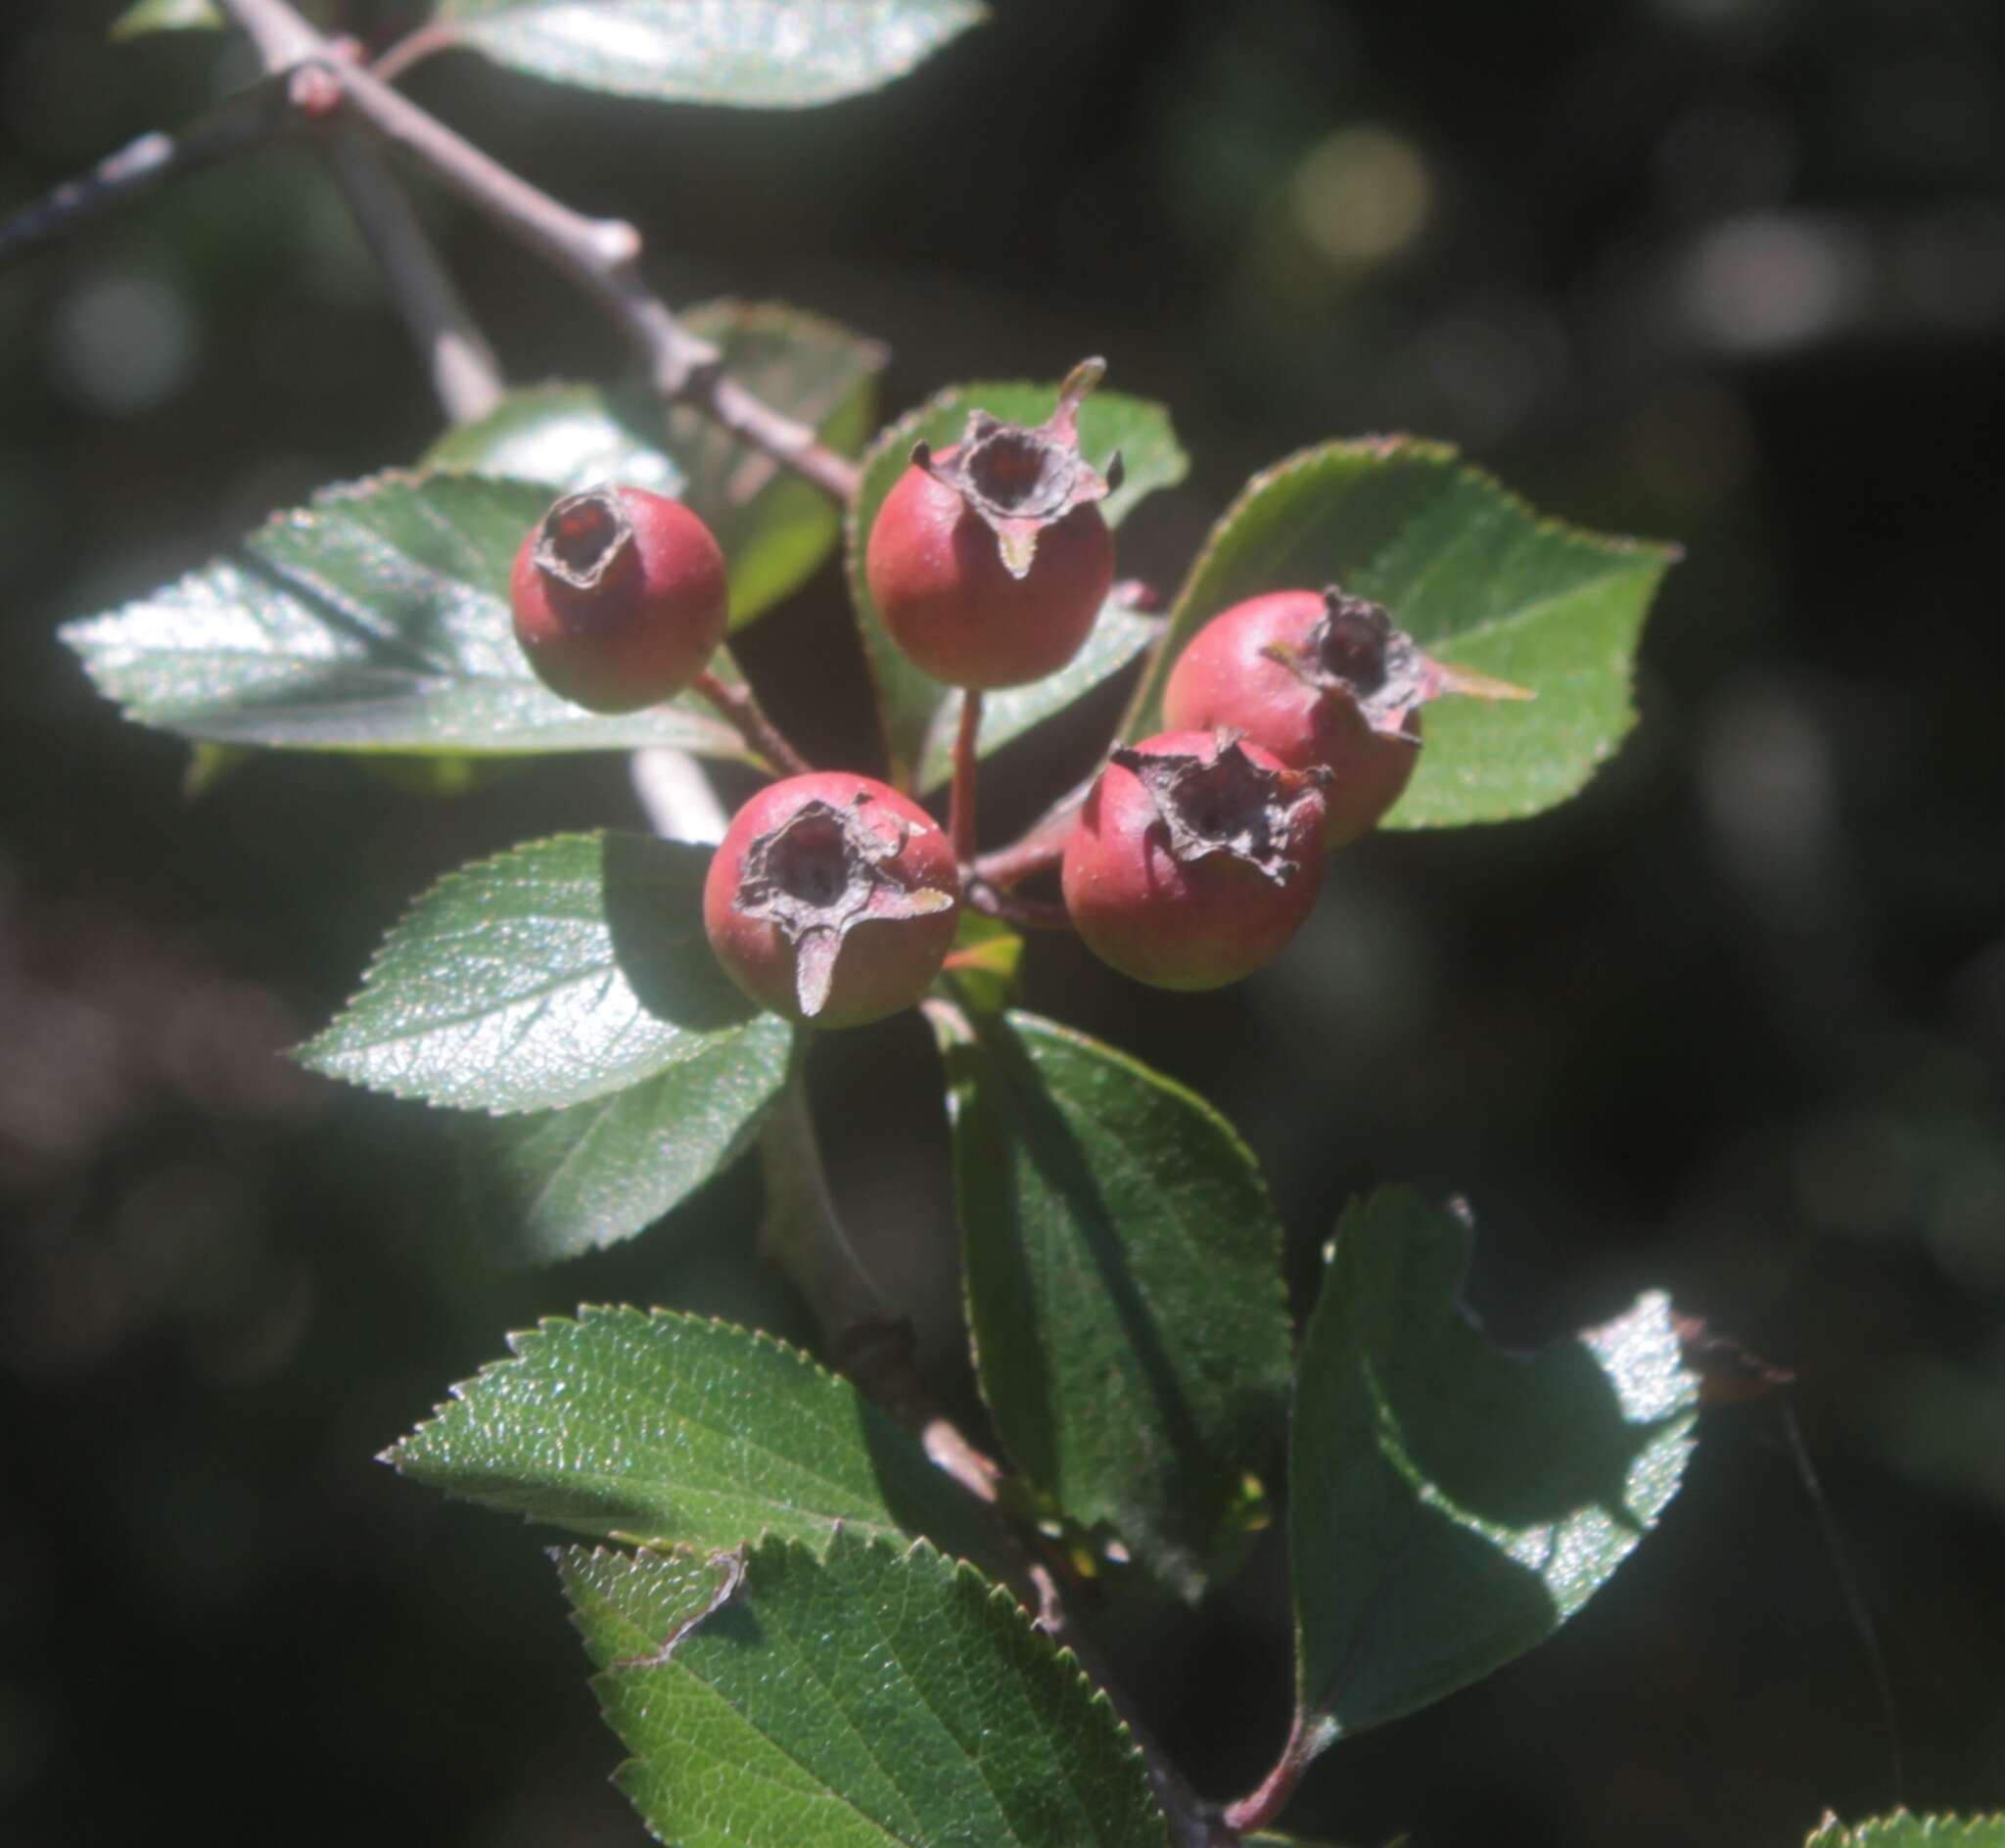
[1452,1506]
[755,54]
[550,975]
[373,619]
[676,1431]
[1479,580]
[871,1698]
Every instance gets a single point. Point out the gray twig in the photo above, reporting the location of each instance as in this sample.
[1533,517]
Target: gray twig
[601,255]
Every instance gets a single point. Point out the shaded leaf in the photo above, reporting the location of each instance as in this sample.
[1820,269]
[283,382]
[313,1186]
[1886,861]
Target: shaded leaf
[908,699]
[1478,579]
[164,16]
[552,974]
[869,1699]
[566,1181]
[775,528]
[752,54]
[1124,1287]
[1904,1830]
[1451,1505]
[374,619]
[670,1430]
[1118,636]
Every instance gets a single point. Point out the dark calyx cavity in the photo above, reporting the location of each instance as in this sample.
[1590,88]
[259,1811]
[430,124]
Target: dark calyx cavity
[1018,480]
[1230,805]
[1355,650]
[583,537]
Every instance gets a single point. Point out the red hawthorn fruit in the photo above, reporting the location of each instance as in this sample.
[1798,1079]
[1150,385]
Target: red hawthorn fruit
[1195,859]
[1306,673]
[990,560]
[620,598]
[832,898]
[1324,680]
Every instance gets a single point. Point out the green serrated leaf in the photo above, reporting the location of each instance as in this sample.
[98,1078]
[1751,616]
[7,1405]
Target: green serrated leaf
[666,1430]
[1904,1830]
[1478,579]
[869,1699]
[749,54]
[775,528]
[907,699]
[1118,636]
[558,972]
[1124,1286]
[563,1182]
[164,16]
[374,619]
[1452,1506]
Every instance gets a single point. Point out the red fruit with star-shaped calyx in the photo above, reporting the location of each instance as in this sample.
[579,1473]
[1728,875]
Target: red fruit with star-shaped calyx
[1324,681]
[620,598]
[832,898]
[990,560]
[1195,859]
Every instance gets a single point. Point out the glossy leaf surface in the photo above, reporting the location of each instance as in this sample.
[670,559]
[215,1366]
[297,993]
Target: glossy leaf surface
[561,1183]
[1451,1505]
[669,1429]
[1123,1275]
[550,975]
[871,1699]
[1478,579]
[373,619]
[760,53]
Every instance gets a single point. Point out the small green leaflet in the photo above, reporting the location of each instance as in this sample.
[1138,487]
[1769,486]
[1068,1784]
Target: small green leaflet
[752,54]
[373,619]
[1452,1506]
[1902,1830]
[164,16]
[907,700]
[550,975]
[562,1183]
[670,1430]
[775,528]
[1124,1287]
[1478,579]
[868,1698]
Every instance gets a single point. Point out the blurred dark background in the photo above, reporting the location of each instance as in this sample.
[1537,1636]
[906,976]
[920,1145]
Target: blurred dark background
[1725,271]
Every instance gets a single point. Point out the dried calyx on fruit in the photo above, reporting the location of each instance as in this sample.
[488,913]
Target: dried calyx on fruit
[1018,480]
[620,598]
[989,561]
[1195,859]
[832,900]
[1226,803]
[1322,679]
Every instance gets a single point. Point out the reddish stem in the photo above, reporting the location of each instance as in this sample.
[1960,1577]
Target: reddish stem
[1258,1809]
[740,709]
[960,803]
[1036,914]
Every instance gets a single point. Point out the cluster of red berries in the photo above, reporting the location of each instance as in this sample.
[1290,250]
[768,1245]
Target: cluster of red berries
[1294,718]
